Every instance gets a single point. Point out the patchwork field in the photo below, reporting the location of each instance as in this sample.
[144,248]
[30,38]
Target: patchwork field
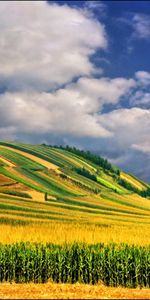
[63,196]
[41,189]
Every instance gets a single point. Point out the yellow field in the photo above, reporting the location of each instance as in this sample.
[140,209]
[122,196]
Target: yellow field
[133,181]
[69,291]
[59,233]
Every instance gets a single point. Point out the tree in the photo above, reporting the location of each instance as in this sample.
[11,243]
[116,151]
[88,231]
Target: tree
[46,197]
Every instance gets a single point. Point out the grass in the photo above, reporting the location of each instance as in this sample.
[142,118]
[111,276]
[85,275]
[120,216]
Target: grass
[110,185]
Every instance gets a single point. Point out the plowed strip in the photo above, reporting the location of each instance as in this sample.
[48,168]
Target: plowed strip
[5,180]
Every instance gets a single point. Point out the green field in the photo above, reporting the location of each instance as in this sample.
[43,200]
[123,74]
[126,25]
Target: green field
[112,265]
[68,192]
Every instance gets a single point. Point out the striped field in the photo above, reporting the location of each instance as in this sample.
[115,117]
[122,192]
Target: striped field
[43,198]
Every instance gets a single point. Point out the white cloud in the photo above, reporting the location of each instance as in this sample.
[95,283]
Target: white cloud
[129,126]
[143,77]
[98,6]
[129,146]
[144,147]
[128,117]
[43,45]
[73,110]
[140,98]
[46,113]
[102,91]
[141,26]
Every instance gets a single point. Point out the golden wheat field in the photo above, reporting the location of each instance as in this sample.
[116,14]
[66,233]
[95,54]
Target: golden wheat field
[69,291]
[59,233]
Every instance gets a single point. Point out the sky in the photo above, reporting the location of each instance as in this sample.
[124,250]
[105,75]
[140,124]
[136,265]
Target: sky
[78,73]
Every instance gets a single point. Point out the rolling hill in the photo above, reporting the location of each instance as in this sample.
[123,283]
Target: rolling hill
[63,194]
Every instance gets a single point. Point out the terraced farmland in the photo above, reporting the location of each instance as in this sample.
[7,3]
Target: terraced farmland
[41,188]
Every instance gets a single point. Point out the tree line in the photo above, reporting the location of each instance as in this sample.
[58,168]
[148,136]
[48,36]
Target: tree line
[96,159]
[144,193]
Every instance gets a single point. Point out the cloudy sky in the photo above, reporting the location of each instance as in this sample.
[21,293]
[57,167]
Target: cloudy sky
[78,73]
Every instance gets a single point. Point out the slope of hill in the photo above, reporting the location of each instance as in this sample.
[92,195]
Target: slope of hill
[48,186]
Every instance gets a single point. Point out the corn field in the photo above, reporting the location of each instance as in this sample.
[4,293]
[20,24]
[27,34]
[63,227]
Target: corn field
[113,265]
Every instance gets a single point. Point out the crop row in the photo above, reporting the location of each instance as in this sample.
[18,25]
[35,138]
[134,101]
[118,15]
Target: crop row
[20,160]
[21,180]
[33,151]
[114,265]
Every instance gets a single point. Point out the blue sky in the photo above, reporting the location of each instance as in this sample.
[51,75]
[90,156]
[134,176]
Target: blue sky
[78,73]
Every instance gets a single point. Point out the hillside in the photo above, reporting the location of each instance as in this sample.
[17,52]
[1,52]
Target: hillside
[65,189]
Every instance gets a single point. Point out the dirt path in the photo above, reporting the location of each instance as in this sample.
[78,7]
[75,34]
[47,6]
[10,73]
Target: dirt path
[69,291]
[34,158]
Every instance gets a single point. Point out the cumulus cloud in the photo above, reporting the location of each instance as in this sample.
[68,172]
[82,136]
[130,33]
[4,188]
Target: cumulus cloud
[70,110]
[44,45]
[46,113]
[102,91]
[141,95]
[140,98]
[130,128]
[143,78]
